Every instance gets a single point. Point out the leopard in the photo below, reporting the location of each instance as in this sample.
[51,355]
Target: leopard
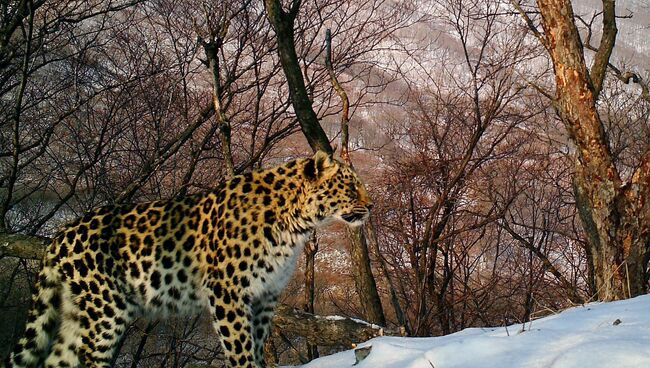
[229,251]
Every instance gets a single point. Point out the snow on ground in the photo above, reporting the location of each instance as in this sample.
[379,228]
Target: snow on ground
[588,336]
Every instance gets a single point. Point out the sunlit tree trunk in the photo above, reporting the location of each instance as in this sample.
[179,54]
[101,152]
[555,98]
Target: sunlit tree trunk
[283,23]
[615,214]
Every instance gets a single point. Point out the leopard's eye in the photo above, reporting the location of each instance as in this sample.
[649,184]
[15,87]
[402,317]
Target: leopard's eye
[354,190]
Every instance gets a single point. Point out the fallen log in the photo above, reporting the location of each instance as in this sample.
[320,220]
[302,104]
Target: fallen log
[325,331]
[23,246]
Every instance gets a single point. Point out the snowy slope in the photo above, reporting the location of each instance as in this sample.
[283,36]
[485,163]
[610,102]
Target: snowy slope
[579,337]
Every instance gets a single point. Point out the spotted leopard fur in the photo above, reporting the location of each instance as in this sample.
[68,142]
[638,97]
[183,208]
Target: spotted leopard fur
[230,251]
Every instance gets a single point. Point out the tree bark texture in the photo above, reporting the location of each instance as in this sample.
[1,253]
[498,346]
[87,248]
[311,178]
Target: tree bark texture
[345,101]
[615,215]
[211,48]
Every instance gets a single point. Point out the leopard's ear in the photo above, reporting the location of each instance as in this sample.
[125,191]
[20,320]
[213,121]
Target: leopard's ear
[320,166]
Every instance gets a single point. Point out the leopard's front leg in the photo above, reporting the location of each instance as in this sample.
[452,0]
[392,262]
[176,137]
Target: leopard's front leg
[262,309]
[233,321]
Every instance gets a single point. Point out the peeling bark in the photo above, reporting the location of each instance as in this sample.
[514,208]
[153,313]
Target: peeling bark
[615,215]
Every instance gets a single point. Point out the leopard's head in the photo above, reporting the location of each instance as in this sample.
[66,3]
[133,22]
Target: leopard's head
[335,191]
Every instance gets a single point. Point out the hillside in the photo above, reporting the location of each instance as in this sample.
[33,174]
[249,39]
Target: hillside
[595,335]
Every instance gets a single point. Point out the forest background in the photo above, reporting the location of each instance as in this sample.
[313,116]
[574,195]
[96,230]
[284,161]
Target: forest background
[495,202]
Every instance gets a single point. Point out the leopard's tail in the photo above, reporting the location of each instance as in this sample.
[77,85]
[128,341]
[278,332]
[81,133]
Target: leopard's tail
[42,321]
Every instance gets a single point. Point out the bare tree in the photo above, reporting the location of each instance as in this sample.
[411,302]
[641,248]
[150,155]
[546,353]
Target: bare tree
[610,202]
[283,24]
[462,118]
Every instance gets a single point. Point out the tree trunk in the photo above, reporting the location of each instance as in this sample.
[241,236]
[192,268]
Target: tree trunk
[363,278]
[283,23]
[399,312]
[615,215]
[211,48]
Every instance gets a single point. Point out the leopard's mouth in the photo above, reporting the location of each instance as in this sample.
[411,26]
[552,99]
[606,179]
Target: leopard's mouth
[357,217]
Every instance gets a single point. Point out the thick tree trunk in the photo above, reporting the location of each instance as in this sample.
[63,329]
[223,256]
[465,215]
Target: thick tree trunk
[615,215]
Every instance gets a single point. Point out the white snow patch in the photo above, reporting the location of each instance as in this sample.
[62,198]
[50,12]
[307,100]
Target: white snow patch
[360,321]
[583,336]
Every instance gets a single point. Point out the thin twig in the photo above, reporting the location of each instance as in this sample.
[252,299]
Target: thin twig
[345,101]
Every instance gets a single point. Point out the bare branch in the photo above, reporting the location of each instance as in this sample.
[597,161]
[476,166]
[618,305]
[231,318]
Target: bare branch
[607,41]
[548,265]
[152,165]
[529,22]
[345,101]
[212,47]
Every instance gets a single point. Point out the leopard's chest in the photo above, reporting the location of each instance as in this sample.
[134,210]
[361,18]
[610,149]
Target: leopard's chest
[279,266]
